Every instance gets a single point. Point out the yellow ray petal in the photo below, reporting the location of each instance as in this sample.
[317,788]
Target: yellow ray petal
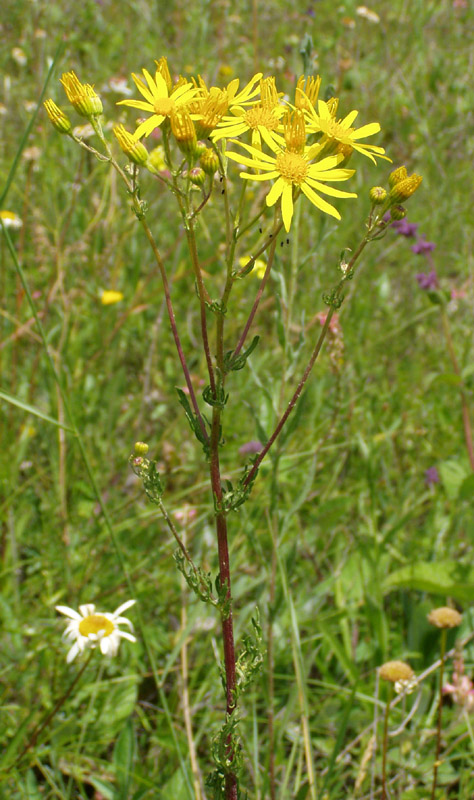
[287,205]
[319,202]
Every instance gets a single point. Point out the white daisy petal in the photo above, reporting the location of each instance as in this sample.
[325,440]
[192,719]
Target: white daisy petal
[126,635]
[75,649]
[69,612]
[123,607]
[87,610]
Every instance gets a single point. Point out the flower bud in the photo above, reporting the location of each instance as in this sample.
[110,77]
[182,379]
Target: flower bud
[377,195]
[397,175]
[209,161]
[184,132]
[82,96]
[140,449]
[197,176]
[156,160]
[397,212]
[133,149]
[58,118]
[403,189]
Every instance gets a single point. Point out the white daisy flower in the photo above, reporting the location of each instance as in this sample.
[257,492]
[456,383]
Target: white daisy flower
[10,219]
[89,629]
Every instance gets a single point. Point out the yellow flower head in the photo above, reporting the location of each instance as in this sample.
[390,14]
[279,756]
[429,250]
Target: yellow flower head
[294,171]
[159,101]
[445,617]
[58,118]
[184,131]
[136,151]
[341,131]
[108,297]
[82,96]
[210,105]
[306,94]
[259,118]
[404,189]
[10,219]
[395,671]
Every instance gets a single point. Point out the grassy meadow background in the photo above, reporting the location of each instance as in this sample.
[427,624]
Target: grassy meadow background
[365,547]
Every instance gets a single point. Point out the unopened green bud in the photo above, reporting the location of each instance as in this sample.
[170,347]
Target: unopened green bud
[133,149]
[397,212]
[209,161]
[378,195]
[197,176]
[140,448]
[58,118]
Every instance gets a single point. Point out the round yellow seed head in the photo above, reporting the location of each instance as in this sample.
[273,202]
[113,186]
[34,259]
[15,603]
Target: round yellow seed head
[133,149]
[397,175]
[57,117]
[395,671]
[378,195]
[445,617]
[140,448]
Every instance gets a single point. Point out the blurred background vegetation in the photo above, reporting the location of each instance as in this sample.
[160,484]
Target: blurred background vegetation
[366,544]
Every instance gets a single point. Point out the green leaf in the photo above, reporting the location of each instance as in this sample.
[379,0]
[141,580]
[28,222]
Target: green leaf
[453,475]
[32,410]
[123,758]
[466,490]
[438,578]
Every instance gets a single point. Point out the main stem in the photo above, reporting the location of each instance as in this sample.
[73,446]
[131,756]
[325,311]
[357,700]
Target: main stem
[224,577]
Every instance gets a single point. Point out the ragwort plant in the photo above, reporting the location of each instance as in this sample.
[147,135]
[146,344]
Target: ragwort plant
[296,149]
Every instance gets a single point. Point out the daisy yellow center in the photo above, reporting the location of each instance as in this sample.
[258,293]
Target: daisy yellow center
[261,116]
[334,129]
[163,106]
[9,215]
[292,167]
[95,623]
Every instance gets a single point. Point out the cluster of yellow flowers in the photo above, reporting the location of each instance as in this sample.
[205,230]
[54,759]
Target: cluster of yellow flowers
[309,145]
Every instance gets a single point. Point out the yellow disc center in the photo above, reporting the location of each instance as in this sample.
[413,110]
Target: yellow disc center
[163,106]
[261,116]
[95,623]
[292,167]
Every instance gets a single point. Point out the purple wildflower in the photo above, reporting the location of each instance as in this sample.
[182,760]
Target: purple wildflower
[251,447]
[431,476]
[422,247]
[405,228]
[427,280]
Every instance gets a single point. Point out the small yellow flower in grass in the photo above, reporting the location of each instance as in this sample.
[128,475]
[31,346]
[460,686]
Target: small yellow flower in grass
[323,121]
[394,671]
[294,169]
[10,219]
[57,117]
[258,268]
[135,151]
[445,617]
[90,628]
[160,101]
[82,96]
[210,105]
[108,297]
